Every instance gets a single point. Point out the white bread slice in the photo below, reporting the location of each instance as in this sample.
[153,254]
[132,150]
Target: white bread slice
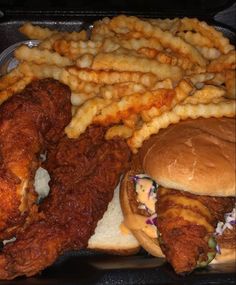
[108,236]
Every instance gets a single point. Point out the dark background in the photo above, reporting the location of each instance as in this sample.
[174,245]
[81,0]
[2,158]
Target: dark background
[75,268]
[206,7]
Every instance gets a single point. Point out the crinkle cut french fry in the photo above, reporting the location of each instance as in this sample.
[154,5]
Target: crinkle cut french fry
[39,33]
[166,39]
[225,61]
[119,62]
[48,42]
[74,36]
[218,79]
[73,49]
[10,78]
[133,104]
[101,30]
[209,53]
[60,74]
[14,88]
[36,32]
[85,60]
[225,108]
[112,77]
[122,131]
[77,99]
[201,77]
[39,56]
[167,58]
[166,83]
[196,39]
[84,116]
[131,121]
[165,24]
[182,91]
[118,90]
[211,33]
[135,44]
[206,95]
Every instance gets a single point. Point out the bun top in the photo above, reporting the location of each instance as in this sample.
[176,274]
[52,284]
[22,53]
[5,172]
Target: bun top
[197,156]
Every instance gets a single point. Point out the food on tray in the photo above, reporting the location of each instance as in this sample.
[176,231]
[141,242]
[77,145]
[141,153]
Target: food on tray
[126,57]
[129,78]
[181,184]
[84,173]
[29,122]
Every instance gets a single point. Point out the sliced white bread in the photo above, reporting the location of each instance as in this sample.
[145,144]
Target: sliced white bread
[108,236]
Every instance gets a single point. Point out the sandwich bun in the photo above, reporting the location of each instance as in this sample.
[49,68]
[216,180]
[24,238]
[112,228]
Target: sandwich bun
[108,237]
[197,156]
[228,255]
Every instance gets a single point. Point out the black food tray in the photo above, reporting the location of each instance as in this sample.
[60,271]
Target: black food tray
[88,267]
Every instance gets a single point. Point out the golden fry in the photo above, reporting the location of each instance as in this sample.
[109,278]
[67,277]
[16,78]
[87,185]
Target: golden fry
[101,30]
[196,39]
[167,84]
[201,77]
[60,74]
[36,55]
[225,61]
[74,36]
[36,32]
[131,121]
[112,77]
[84,116]
[133,104]
[131,43]
[166,24]
[73,50]
[118,90]
[14,88]
[167,58]
[206,95]
[118,131]
[109,61]
[218,79]
[182,91]
[220,42]
[209,53]
[85,60]
[77,99]
[10,78]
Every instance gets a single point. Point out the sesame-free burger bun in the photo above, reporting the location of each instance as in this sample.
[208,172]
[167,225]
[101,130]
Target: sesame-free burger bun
[197,156]
[228,255]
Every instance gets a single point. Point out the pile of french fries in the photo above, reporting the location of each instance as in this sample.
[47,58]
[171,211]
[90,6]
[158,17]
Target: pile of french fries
[134,75]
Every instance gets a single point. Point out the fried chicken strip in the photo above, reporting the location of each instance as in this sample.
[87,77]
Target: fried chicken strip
[30,121]
[84,173]
[186,224]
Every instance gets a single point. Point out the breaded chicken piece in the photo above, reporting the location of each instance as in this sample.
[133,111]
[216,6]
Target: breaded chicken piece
[186,224]
[84,173]
[30,121]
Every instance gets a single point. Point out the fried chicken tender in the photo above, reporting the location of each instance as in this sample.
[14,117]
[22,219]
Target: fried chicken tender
[186,224]
[84,173]
[30,121]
